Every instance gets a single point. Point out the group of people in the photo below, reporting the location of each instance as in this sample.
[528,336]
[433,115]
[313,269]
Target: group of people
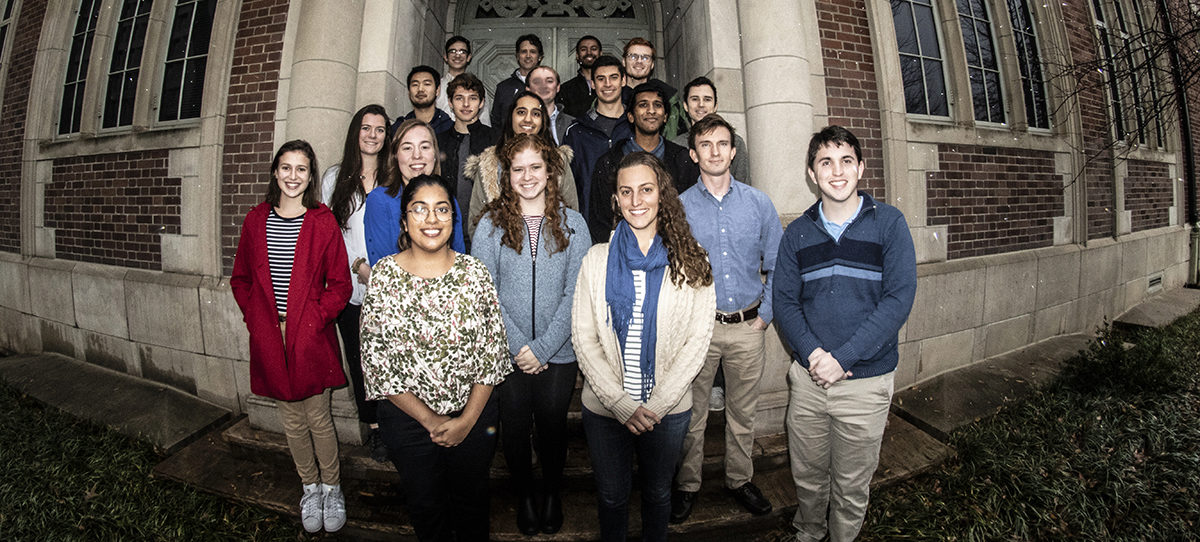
[604,226]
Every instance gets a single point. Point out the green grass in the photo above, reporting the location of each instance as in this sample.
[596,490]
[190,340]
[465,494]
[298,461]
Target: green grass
[1110,451]
[66,479]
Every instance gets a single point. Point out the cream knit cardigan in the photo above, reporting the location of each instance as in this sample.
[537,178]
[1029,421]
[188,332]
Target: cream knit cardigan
[686,317]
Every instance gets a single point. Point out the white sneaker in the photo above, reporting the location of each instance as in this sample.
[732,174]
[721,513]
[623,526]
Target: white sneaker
[716,400]
[310,507]
[335,507]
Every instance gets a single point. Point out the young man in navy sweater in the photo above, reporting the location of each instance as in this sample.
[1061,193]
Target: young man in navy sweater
[845,280]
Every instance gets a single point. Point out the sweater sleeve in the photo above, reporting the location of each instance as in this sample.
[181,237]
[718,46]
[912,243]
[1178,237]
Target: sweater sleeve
[899,290]
[685,363]
[602,374]
[381,226]
[558,333]
[485,245]
[242,277]
[787,288]
[337,274]
[456,237]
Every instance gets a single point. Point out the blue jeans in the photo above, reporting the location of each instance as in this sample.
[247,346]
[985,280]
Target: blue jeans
[611,447]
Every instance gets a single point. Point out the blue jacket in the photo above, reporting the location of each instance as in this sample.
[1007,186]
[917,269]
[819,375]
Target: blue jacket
[849,296]
[590,143]
[535,295]
[381,225]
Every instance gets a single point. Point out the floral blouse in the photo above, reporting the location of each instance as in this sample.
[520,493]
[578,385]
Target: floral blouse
[433,338]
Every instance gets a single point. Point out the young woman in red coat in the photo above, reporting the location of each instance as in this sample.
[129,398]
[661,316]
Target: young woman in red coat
[291,280]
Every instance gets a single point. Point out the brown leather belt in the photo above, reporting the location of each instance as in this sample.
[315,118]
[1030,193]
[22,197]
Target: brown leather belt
[737,317]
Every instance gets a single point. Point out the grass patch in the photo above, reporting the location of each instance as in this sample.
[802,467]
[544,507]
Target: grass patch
[66,479]
[1109,451]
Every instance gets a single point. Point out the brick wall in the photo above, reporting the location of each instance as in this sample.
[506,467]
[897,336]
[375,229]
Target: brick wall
[994,200]
[853,98]
[250,120]
[1097,128]
[27,30]
[112,208]
[1148,194]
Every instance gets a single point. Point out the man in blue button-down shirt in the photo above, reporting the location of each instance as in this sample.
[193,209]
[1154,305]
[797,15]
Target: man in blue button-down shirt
[740,229]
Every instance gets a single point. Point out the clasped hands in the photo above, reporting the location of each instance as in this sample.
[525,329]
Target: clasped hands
[642,421]
[527,362]
[448,432]
[824,369]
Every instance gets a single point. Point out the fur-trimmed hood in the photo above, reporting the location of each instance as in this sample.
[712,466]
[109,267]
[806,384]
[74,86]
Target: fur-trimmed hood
[484,169]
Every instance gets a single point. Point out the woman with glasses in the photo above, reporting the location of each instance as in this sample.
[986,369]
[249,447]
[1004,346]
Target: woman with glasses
[433,346]
[533,245]
[413,152]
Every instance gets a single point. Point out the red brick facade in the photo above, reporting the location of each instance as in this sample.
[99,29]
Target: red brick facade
[1149,194]
[112,208]
[850,83]
[250,120]
[27,30]
[1097,128]
[994,200]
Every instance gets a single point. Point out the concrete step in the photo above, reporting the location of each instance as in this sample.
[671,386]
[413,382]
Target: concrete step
[963,396]
[164,416]
[214,464]
[1159,311]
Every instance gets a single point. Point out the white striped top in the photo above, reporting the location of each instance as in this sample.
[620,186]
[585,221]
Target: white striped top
[282,234]
[533,225]
[632,355]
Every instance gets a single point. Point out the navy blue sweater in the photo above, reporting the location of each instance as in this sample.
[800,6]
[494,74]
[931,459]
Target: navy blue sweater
[849,296]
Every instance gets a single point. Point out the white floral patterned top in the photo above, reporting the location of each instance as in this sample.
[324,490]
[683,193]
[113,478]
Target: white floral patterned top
[433,338]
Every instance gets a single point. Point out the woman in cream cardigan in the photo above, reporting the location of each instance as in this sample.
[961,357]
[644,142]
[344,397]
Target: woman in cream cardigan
[641,322]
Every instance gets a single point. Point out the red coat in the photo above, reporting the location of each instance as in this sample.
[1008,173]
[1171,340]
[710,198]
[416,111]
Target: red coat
[318,291]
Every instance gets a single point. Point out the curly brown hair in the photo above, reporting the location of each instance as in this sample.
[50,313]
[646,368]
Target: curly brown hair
[687,260]
[505,210]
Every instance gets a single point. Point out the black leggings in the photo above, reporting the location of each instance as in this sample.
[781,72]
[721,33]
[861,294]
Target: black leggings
[542,399]
[348,322]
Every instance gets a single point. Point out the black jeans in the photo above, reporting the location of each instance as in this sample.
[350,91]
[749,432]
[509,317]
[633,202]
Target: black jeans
[445,489]
[348,322]
[541,400]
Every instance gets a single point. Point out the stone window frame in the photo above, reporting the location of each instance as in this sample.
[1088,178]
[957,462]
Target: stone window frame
[75,84]
[187,59]
[922,56]
[1025,64]
[8,18]
[989,95]
[1111,25]
[117,110]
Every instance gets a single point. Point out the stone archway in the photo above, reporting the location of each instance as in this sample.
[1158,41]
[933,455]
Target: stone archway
[494,25]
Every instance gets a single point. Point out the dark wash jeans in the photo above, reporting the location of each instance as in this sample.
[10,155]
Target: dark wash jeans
[348,322]
[542,399]
[445,489]
[611,447]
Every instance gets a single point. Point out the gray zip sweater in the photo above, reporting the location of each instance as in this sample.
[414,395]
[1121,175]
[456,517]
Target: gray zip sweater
[535,295]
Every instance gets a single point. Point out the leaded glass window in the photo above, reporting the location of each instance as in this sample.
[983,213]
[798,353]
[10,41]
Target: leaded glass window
[77,66]
[983,68]
[1033,83]
[187,57]
[126,62]
[921,65]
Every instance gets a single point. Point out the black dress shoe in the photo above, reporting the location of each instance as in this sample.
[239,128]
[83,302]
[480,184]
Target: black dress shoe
[528,521]
[751,499]
[552,515]
[681,505]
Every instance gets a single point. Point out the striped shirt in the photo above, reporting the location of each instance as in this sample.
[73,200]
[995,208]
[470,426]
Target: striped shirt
[632,356]
[282,234]
[533,225]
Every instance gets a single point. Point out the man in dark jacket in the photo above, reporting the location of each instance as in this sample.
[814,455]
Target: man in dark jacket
[529,55]
[576,94]
[648,113]
[594,133]
[469,137]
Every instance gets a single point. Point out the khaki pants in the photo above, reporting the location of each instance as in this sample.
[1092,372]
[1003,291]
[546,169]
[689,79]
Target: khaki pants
[740,347]
[308,426]
[833,439]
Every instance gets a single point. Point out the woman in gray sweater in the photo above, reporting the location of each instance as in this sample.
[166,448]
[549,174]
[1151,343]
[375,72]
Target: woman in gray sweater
[533,245]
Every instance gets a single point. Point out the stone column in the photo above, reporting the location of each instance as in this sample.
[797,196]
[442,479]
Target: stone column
[322,84]
[781,64]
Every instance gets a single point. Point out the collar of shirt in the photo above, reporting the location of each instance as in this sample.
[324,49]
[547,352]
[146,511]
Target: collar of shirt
[834,229]
[704,188]
[632,146]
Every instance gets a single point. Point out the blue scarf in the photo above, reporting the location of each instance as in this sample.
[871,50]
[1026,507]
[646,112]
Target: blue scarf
[623,257]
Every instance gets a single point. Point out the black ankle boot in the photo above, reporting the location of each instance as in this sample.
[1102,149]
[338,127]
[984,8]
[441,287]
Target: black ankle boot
[528,520]
[552,515]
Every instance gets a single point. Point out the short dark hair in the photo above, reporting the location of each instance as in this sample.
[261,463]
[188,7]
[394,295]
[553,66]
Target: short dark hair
[437,77]
[312,194]
[531,38]
[589,37]
[607,60]
[465,81]
[647,87]
[406,197]
[707,124]
[699,81]
[832,135]
[456,39]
